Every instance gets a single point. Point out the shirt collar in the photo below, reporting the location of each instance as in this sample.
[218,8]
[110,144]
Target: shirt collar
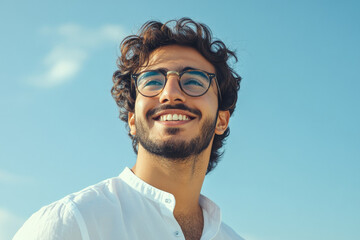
[211,212]
[212,217]
[147,190]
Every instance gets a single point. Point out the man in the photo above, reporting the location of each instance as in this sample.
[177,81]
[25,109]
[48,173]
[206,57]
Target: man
[176,93]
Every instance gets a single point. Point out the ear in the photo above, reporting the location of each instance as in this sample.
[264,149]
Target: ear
[131,122]
[222,122]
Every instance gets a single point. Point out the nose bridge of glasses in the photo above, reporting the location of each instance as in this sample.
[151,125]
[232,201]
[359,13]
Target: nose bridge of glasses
[175,75]
[172,73]
[172,88]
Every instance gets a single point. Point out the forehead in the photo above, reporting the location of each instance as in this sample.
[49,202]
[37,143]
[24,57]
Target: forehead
[176,58]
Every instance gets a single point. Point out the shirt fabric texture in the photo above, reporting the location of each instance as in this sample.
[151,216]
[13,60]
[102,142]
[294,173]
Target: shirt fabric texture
[119,208]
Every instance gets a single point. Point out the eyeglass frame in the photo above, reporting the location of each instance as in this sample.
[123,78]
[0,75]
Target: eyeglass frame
[166,73]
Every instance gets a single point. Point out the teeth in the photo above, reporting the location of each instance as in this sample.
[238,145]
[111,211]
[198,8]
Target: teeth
[173,117]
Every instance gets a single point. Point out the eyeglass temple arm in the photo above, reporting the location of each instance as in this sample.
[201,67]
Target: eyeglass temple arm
[218,87]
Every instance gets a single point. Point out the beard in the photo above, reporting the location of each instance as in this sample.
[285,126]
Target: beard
[176,149]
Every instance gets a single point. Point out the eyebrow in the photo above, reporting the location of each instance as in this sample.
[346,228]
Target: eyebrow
[178,69]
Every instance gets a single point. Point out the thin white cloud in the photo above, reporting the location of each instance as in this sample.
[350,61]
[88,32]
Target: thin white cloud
[9,224]
[11,178]
[62,63]
[112,33]
[91,37]
[74,45]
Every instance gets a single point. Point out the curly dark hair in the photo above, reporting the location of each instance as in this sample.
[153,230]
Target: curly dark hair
[135,52]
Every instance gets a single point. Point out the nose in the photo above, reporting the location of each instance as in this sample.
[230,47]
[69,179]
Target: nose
[172,92]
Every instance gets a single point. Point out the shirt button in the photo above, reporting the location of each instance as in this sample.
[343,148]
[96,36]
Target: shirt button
[168,200]
[177,233]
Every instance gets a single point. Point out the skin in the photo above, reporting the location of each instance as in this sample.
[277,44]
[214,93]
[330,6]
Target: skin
[184,178]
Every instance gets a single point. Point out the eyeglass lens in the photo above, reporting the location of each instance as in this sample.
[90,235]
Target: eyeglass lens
[193,83]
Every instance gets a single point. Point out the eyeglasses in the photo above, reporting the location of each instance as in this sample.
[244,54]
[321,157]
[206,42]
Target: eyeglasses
[194,83]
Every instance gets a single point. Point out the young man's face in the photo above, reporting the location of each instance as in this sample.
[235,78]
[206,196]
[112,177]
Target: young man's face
[192,134]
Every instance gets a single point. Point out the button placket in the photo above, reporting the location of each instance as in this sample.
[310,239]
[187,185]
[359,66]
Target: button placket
[169,201]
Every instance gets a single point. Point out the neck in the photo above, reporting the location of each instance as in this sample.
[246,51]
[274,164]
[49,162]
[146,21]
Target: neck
[182,178]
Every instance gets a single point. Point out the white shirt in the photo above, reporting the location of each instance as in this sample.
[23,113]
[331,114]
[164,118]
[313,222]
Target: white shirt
[124,207]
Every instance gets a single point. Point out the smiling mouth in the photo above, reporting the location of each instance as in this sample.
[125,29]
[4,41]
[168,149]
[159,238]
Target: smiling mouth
[173,117]
[173,113]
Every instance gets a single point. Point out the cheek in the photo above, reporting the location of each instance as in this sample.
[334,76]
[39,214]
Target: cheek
[211,102]
[142,106]
[139,105]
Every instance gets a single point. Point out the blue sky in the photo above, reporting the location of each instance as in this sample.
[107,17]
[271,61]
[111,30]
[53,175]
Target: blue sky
[292,161]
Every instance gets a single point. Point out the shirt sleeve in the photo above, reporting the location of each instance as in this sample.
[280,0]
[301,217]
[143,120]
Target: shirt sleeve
[53,222]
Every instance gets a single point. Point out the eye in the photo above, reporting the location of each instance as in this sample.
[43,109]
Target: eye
[151,79]
[153,83]
[193,82]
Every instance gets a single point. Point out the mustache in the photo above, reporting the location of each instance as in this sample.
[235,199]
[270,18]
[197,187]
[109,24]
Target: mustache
[176,106]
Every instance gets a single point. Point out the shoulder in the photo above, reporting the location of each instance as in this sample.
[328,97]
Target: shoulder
[227,232]
[53,222]
[107,196]
[104,191]
[65,218]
